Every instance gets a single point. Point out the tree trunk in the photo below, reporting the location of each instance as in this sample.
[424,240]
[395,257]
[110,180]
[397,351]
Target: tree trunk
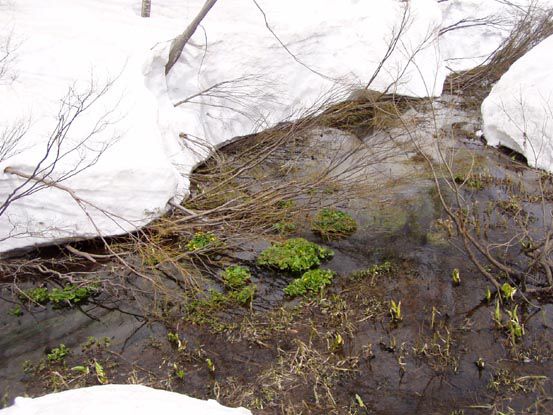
[146,8]
[180,42]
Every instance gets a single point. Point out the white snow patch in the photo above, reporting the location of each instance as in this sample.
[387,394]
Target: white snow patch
[518,113]
[331,46]
[486,24]
[118,400]
[68,43]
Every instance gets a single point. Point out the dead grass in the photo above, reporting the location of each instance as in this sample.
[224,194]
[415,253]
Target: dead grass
[535,25]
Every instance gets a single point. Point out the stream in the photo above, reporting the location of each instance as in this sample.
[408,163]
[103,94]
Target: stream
[281,355]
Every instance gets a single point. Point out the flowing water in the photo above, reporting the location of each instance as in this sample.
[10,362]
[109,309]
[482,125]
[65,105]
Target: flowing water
[278,357]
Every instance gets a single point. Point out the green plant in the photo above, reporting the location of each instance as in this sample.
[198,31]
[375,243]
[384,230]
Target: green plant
[38,295]
[16,311]
[176,341]
[497,316]
[68,295]
[93,342]
[152,256]
[471,182]
[71,294]
[286,204]
[236,276]
[511,206]
[84,370]
[373,271]
[456,277]
[488,295]
[211,303]
[28,367]
[395,311]
[100,373]
[310,282]
[337,343]
[245,295]
[204,310]
[179,373]
[57,354]
[210,365]
[203,240]
[514,327]
[508,291]
[295,254]
[332,223]
[360,402]
[285,227]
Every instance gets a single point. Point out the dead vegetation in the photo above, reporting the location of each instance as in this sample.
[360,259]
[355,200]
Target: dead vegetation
[534,24]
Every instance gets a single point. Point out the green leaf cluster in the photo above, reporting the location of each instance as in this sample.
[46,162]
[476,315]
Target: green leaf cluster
[68,295]
[333,224]
[236,276]
[57,354]
[294,255]
[202,240]
[311,282]
[37,295]
[245,295]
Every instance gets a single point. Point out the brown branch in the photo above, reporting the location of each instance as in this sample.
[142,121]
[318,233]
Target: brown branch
[178,44]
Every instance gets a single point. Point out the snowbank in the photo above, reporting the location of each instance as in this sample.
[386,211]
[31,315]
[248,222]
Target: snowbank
[71,43]
[66,50]
[485,24]
[331,46]
[118,400]
[518,113]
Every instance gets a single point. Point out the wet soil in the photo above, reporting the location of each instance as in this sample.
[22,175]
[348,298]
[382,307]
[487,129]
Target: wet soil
[335,353]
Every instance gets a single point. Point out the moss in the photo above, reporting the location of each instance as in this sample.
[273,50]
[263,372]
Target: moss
[295,255]
[311,282]
[332,224]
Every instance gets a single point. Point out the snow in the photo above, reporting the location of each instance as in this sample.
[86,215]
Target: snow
[466,48]
[332,45]
[332,48]
[518,113]
[64,44]
[118,400]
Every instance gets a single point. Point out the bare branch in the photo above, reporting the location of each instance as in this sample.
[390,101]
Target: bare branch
[180,42]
